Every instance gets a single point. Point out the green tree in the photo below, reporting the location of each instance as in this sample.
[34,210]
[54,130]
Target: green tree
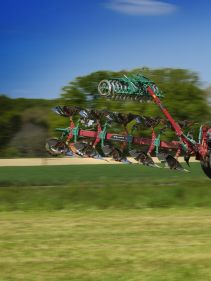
[10,120]
[24,126]
[183,96]
[30,139]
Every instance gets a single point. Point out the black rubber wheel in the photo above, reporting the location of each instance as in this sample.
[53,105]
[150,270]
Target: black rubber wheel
[206,164]
[56,147]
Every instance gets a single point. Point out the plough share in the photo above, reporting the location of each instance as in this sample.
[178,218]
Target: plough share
[90,136]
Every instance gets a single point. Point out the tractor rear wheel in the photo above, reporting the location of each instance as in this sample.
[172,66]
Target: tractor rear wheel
[206,164]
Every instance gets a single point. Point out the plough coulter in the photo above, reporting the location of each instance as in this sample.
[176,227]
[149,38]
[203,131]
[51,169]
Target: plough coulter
[89,132]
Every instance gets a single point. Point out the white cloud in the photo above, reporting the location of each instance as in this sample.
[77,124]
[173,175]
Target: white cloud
[141,7]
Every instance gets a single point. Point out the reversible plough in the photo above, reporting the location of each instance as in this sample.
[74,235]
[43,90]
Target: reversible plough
[90,136]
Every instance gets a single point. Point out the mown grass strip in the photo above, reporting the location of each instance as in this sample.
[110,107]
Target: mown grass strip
[60,175]
[116,187]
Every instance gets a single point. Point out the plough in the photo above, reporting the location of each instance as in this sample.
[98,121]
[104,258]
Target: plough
[90,136]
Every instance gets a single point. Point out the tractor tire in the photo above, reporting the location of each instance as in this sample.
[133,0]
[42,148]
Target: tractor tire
[206,164]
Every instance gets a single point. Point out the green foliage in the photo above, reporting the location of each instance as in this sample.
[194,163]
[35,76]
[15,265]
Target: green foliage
[10,120]
[30,139]
[24,126]
[183,96]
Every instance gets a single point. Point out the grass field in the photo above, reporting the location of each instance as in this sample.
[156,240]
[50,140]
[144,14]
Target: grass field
[101,187]
[104,223]
[109,245]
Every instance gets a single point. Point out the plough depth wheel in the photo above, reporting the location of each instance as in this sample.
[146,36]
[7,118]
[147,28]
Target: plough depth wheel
[56,147]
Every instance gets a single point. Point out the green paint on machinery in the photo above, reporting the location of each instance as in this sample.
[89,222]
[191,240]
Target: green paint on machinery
[129,88]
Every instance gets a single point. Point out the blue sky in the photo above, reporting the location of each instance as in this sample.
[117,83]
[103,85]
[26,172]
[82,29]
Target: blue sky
[44,44]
